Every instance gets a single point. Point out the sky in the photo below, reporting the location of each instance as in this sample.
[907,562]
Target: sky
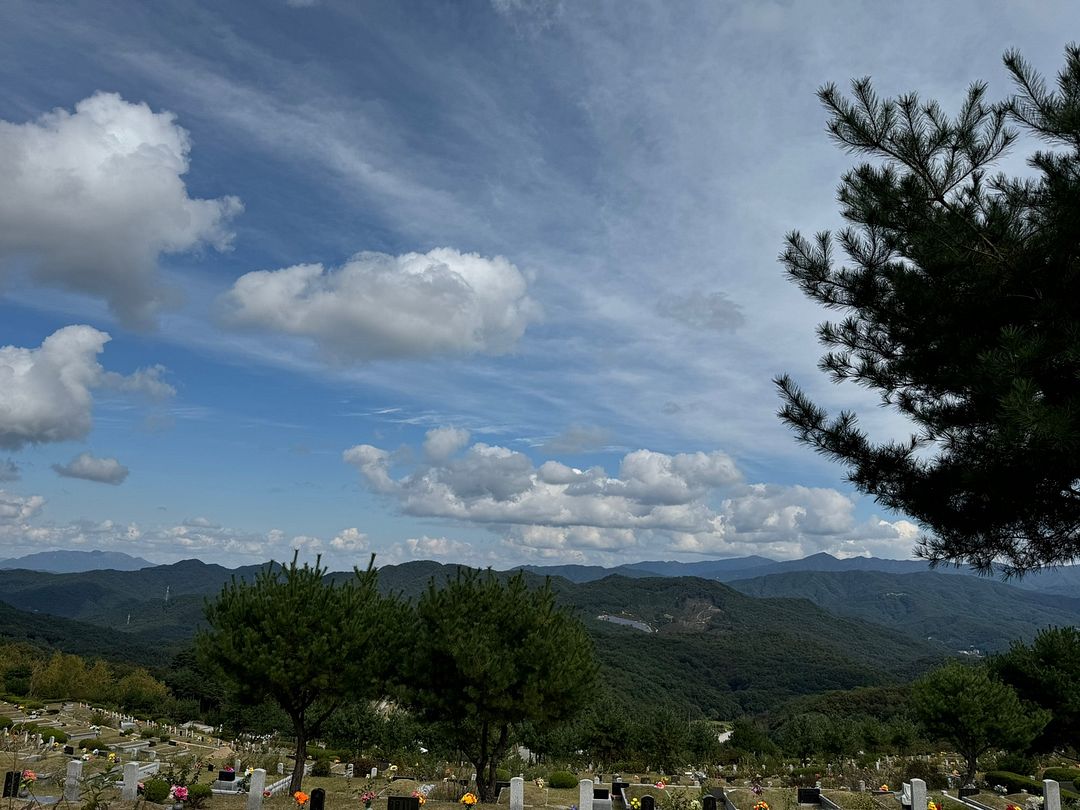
[481,282]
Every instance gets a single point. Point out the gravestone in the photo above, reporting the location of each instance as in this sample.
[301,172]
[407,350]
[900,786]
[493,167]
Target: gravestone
[862,786]
[585,794]
[281,768]
[69,750]
[255,791]
[600,793]
[708,803]
[918,793]
[809,795]
[617,787]
[226,776]
[648,803]
[71,780]
[130,789]
[374,773]
[400,803]
[349,771]
[517,793]
[968,790]
[318,799]
[12,779]
[1051,795]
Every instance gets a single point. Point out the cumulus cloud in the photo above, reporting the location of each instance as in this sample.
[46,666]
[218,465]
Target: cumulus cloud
[91,468]
[16,508]
[9,470]
[351,539]
[92,198]
[714,311]
[441,443]
[379,306]
[684,502]
[46,393]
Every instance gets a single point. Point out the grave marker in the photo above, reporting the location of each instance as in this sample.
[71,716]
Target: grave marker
[400,803]
[255,791]
[71,781]
[12,780]
[318,799]
[918,794]
[585,794]
[648,803]
[708,803]
[130,790]
[517,793]
[1051,795]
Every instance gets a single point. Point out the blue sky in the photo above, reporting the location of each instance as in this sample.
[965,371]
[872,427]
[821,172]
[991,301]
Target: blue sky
[490,282]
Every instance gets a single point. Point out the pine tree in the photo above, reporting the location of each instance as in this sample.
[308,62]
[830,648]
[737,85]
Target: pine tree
[297,639]
[960,298]
[490,655]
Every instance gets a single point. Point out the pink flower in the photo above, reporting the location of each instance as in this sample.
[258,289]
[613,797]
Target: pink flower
[179,793]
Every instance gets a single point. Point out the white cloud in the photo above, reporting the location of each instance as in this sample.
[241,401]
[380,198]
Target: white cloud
[690,503]
[379,306]
[714,311]
[9,471]
[16,508]
[441,443]
[94,197]
[91,468]
[46,392]
[351,539]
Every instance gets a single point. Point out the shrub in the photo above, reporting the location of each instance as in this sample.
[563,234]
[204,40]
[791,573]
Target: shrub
[502,774]
[5,722]
[32,705]
[156,791]
[562,780]
[1064,776]
[98,719]
[321,767]
[198,795]
[87,744]
[934,778]
[1014,783]
[147,733]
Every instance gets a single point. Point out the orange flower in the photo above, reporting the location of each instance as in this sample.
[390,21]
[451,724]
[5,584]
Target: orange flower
[469,799]
[301,798]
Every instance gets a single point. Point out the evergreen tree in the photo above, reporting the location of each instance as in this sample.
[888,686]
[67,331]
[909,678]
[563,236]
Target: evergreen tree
[960,295]
[300,641]
[490,655]
[975,713]
[1047,673]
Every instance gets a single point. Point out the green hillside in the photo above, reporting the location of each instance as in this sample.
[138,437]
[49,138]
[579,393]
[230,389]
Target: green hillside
[80,638]
[960,612]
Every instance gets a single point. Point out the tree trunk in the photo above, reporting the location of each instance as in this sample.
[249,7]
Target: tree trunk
[301,756]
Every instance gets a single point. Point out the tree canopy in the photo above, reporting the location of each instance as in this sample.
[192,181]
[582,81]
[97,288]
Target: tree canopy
[300,640]
[976,713]
[491,655]
[959,296]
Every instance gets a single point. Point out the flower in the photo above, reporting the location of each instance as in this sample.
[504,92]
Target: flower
[178,793]
[695,804]
[469,799]
[661,784]
[301,798]
[883,787]
[1012,807]
[635,803]
[229,769]
[367,797]
[29,776]
[539,782]
[267,794]
[762,805]
[420,797]
[931,806]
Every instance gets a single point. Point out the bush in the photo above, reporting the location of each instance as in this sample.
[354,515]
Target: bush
[156,791]
[934,778]
[32,705]
[87,744]
[502,774]
[147,733]
[1015,763]
[198,795]
[1064,776]
[1014,783]
[5,722]
[562,780]
[321,767]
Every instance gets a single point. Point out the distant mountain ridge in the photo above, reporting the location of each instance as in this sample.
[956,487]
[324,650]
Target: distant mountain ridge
[72,562]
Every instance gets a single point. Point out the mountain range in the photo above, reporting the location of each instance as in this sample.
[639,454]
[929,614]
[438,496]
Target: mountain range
[663,631]
[70,562]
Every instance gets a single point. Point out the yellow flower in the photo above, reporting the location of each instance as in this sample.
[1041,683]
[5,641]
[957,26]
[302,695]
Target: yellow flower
[469,799]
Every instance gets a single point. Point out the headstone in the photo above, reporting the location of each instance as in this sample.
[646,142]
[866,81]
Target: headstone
[12,780]
[648,803]
[617,787]
[281,768]
[1051,795]
[809,795]
[708,803]
[349,771]
[71,781]
[600,793]
[374,773]
[226,776]
[400,803]
[862,786]
[318,799]
[918,794]
[69,750]
[517,793]
[585,794]
[52,741]
[256,788]
[130,790]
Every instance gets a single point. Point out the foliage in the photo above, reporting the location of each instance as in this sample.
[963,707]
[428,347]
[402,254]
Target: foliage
[562,780]
[490,655]
[933,776]
[300,641]
[156,790]
[960,310]
[1047,673]
[1064,776]
[321,767]
[198,795]
[965,706]
[1016,783]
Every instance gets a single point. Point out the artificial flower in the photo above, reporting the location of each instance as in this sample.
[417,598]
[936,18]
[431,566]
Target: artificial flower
[469,799]
[762,805]
[179,793]
[300,797]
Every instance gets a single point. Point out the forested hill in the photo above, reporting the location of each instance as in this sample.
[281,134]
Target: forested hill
[961,612]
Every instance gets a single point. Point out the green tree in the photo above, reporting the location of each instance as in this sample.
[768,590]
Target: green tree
[139,691]
[489,655]
[959,298]
[805,734]
[974,712]
[299,640]
[1047,673]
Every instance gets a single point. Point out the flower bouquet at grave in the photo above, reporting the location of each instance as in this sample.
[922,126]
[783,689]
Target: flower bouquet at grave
[469,799]
[300,798]
[762,805]
[420,797]
[367,797]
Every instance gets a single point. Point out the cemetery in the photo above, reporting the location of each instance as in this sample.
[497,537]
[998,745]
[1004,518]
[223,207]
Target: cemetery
[60,756]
